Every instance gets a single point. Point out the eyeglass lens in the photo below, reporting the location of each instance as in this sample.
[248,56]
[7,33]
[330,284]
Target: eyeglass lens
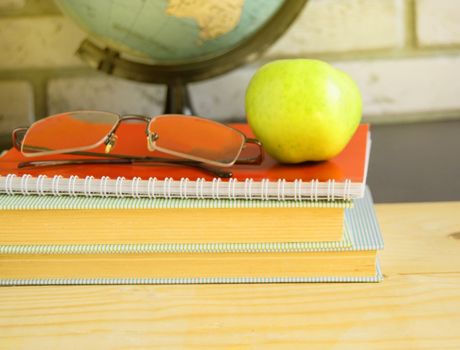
[197,138]
[68,132]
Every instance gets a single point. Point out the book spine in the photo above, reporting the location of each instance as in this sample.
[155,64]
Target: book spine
[136,187]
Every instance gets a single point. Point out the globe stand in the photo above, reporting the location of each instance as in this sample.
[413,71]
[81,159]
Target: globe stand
[110,61]
[178,99]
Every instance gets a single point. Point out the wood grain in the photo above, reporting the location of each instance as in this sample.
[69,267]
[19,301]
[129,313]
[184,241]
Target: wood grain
[416,307]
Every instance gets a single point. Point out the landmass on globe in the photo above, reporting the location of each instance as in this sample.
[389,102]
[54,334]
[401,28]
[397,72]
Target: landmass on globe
[214,17]
[169,31]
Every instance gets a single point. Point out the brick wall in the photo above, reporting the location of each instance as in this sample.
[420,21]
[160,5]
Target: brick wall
[404,54]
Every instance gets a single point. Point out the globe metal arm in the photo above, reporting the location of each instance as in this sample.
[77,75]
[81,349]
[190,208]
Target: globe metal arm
[110,62]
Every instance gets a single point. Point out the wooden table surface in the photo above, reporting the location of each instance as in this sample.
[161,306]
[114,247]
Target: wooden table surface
[416,307]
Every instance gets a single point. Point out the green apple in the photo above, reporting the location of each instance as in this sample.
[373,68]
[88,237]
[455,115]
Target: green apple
[302,109]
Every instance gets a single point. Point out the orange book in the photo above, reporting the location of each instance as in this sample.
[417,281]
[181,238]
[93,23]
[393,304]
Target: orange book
[342,177]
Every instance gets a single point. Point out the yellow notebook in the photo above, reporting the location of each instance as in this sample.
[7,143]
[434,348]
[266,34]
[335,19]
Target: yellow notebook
[188,265]
[66,220]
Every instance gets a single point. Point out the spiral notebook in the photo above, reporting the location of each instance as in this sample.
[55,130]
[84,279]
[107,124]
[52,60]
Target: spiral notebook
[37,264]
[342,177]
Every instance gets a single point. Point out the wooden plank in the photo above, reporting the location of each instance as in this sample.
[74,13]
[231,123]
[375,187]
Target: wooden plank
[420,238]
[416,307]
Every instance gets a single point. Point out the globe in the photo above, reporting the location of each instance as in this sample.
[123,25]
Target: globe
[177,41]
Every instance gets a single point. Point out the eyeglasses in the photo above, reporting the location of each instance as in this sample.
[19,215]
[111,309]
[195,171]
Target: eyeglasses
[195,141]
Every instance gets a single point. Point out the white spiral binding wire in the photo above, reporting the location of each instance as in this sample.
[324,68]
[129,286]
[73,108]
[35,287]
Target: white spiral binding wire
[298,189]
[6,187]
[264,183]
[40,188]
[183,187]
[332,190]
[312,186]
[167,182]
[9,184]
[151,186]
[71,185]
[119,186]
[135,187]
[197,188]
[215,188]
[234,184]
[347,190]
[55,188]
[262,189]
[314,190]
[295,190]
[281,193]
[169,188]
[181,184]
[24,184]
[248,188]
[170,182]
[199,192]
[103,186]
[231,189]
[87,186]
[202,183]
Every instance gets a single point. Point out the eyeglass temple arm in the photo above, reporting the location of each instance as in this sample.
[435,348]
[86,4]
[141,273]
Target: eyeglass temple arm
[132,161]
[257,160]
[17,136]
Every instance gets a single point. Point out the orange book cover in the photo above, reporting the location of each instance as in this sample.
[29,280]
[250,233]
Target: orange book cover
[350,164]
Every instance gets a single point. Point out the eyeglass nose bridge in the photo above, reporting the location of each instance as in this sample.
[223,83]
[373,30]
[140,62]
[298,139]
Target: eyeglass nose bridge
[112,137]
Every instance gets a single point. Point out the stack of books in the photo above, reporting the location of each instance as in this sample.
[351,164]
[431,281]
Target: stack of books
[126,224]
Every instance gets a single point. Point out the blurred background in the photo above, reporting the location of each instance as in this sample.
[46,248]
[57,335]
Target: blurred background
[404,55]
